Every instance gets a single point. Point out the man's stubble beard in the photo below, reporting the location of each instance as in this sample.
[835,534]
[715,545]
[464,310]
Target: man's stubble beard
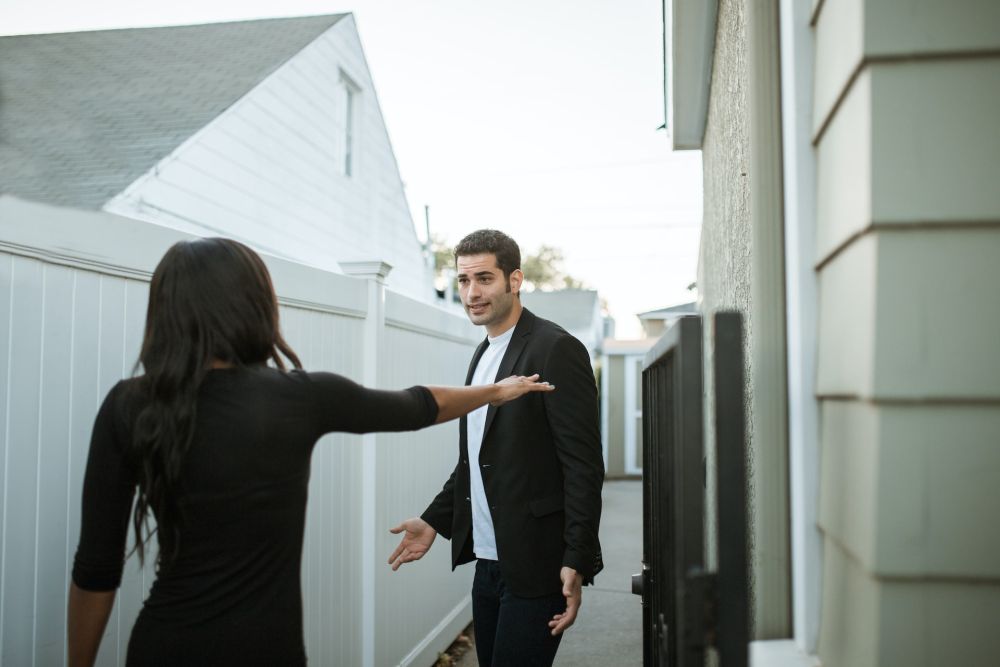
[501,308]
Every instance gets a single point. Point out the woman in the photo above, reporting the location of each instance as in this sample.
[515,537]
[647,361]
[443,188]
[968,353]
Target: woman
[218,445]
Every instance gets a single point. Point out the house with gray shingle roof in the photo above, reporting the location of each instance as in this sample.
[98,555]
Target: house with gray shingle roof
[621,389]
[578,311]
[655,322]
[266,131]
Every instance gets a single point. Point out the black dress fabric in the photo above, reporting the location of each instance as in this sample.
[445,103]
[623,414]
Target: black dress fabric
[233,595]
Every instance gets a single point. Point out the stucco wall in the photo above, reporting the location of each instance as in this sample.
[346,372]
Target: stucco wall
[724,257]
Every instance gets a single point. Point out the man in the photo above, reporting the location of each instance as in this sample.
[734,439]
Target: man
[524,500]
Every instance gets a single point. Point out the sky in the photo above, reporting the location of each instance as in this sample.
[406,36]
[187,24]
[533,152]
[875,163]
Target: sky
[535,117]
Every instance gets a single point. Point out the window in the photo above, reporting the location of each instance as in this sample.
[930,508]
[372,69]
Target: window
[349,131]
[348,113]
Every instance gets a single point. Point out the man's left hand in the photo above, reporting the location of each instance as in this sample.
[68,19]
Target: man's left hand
[573,590]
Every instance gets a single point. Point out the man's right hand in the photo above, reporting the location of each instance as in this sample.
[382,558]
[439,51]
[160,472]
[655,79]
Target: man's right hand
[418,536]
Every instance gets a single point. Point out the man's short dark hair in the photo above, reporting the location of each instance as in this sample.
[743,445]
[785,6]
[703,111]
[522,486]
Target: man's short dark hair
[483,241]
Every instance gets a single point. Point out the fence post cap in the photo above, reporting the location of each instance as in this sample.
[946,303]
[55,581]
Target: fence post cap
[374,269]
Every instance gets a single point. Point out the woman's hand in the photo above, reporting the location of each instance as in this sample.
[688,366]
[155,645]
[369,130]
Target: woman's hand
[518,385]
[454,402]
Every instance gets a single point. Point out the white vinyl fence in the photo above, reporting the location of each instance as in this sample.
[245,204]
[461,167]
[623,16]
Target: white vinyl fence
[73,290]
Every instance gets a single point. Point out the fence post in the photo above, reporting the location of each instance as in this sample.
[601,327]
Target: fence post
[375,273]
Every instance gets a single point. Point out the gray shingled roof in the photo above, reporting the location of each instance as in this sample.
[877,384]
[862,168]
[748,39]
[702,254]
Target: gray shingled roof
[572,309]
[84,114]
[671,311]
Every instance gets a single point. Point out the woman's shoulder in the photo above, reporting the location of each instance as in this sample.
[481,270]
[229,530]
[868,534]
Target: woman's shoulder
[127,391]
[312,379]
[296,379]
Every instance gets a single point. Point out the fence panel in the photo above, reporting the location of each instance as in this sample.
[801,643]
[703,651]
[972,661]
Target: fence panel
[688,611]
[422,346]
[331,589]
[672,492]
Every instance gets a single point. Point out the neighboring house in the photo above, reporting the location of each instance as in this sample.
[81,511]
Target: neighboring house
[621,390]
[655,322]
[265,131]
[578,311]
[849,189]
[621,405]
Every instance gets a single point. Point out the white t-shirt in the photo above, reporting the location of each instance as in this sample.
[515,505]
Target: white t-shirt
[484,541]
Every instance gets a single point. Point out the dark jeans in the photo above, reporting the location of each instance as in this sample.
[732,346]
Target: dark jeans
[512,631]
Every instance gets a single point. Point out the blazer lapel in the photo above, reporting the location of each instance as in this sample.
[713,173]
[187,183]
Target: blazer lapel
[475,359]
[518,341]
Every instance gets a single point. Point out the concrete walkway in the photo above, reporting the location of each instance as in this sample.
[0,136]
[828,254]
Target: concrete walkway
[608,631]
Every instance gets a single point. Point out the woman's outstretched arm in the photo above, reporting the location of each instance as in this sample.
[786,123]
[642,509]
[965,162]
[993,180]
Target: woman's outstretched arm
[455,402]
[343,405]
[87,614]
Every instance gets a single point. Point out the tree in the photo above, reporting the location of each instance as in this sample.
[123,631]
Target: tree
[544,270]
[444,254]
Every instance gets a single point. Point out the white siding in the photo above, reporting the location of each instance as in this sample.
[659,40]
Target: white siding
[70,335]
[72,302]
[330,581]
[411,469]
[270,171]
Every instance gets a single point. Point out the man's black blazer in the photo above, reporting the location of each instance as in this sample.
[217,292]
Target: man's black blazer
[542,466]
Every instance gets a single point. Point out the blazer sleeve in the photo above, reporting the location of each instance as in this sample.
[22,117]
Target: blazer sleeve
[572,413]
[439,513]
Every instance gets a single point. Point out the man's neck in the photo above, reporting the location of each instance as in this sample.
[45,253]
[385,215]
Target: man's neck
[494,330]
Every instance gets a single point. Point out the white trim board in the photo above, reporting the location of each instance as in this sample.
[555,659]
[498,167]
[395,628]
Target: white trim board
[116,245]
[630,412]
[801,299]
[441,637]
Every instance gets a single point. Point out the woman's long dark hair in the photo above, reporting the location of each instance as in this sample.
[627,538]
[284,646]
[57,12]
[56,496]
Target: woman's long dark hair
[209,300]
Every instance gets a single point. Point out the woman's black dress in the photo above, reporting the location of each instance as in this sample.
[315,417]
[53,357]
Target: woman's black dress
[233,595]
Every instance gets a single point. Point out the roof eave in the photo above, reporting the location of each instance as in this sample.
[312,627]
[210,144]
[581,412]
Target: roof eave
[689,45]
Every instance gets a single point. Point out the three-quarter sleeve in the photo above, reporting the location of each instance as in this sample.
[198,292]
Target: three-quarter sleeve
[344,405]
[108,489]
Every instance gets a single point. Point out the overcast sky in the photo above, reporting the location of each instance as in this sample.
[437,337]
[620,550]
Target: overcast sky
[536,117]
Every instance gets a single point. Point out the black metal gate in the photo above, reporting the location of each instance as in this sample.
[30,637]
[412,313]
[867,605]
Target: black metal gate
[687,610]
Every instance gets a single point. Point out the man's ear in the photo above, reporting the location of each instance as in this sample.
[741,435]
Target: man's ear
[516,278]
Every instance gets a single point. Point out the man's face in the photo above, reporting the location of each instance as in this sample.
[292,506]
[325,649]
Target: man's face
[487,296]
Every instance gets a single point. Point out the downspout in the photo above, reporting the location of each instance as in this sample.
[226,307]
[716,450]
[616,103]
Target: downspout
[768,454]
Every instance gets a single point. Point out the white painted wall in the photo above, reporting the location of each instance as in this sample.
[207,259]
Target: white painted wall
[270,171]
[73,289]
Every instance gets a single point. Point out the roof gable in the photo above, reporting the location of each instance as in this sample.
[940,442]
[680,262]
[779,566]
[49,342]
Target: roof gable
[83,115]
